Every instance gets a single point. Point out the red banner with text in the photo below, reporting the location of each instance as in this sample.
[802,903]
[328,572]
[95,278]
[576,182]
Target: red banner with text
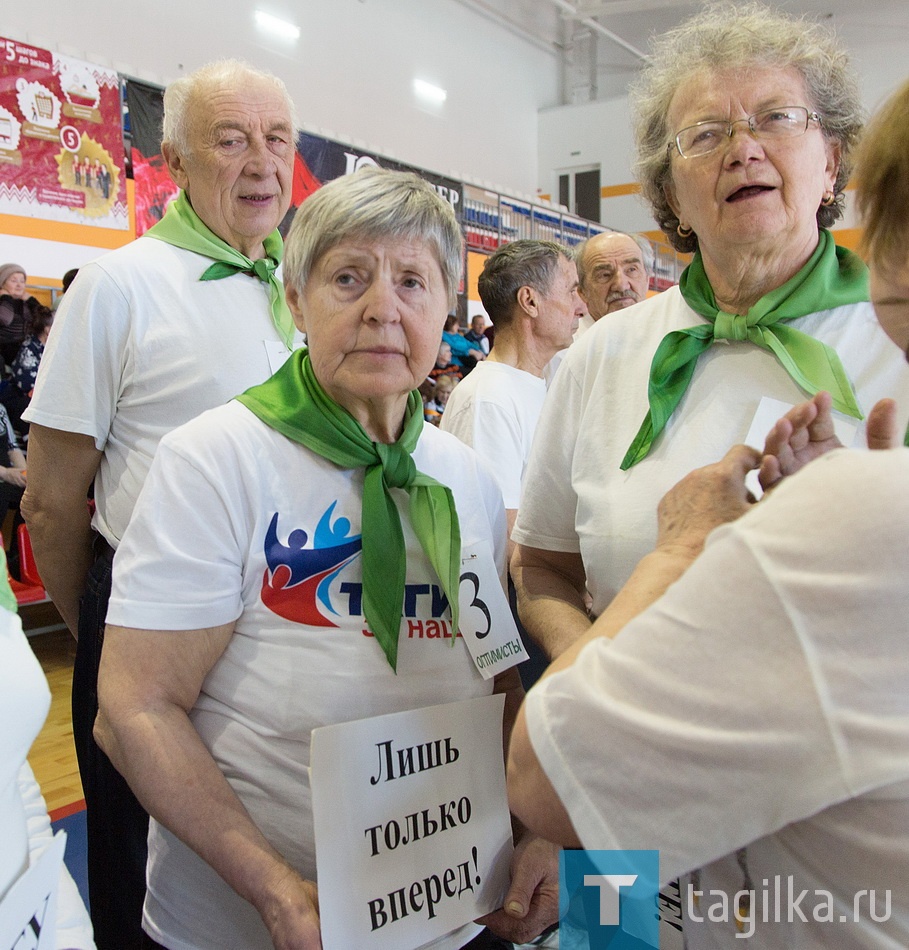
[61,143]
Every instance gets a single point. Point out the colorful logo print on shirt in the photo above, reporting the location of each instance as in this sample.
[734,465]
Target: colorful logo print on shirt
[296,582]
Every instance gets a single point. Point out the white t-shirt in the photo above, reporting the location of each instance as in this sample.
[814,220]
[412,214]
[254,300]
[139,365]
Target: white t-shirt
[25,830]
[584,324]
[576,498]
[141,345]
[226,500]
[761,702]
[495,409]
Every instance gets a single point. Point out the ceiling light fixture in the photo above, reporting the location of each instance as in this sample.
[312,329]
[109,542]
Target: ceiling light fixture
[429,92]
[271,24]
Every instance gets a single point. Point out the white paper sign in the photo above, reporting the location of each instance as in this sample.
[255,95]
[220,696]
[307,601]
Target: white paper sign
[28,913]
[769,412]
[413,835]
[485,621]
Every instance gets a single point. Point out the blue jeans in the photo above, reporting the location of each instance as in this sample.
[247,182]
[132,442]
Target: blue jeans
[116,824]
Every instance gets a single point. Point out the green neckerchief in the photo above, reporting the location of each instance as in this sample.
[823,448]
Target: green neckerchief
[182,227]
[293,403]
[7,597]
[832,277]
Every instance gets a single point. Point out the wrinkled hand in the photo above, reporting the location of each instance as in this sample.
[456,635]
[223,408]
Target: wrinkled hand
[802,435]
[704,499]
[806,432]
[532,901]
[292,915]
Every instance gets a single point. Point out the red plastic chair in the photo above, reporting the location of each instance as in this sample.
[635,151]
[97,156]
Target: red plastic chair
[28,569]
[30,590]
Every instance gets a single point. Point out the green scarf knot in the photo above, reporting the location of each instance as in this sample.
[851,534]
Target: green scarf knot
[398,468]
[293,403]
[730,326]
[832,277]
[182,227]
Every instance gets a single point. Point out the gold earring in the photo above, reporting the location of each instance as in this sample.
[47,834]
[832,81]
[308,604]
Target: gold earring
[682,231]
[828,199]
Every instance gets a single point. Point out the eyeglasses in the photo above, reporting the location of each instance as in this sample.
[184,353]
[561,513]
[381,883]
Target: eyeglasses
[784,122]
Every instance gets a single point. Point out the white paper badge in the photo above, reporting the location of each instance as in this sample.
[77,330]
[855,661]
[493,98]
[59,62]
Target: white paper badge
[413,835]
[486,623]
[277,354]
[28,913]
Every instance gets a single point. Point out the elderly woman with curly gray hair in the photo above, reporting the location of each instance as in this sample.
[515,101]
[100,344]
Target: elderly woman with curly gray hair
[745,122]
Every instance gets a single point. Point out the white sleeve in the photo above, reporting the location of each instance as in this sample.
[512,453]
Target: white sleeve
[752,694]
[546,517]
[180,563]
[497,440]
[78,382]
[74,929]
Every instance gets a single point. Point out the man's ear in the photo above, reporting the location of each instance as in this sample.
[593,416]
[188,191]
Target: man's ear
[175,165]
[527,300]
[295,302]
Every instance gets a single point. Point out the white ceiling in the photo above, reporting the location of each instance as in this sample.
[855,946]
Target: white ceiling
[601,43]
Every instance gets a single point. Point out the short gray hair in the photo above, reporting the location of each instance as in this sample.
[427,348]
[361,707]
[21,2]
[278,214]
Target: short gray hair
[376,204]
[727,35]
[183,93]
[518,264]
[648,258]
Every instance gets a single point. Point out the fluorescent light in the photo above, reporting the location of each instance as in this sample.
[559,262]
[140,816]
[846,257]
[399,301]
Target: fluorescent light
[429,92]
[271,24]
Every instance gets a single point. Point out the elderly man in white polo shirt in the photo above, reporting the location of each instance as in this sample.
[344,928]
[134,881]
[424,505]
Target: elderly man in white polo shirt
[149,336]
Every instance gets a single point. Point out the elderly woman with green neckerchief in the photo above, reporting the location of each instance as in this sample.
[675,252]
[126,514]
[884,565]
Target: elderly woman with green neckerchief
[277,534]
[745,121]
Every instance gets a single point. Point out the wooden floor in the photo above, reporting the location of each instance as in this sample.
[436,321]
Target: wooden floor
[53,757]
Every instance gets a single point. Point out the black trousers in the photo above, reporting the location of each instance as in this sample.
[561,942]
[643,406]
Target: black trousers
[117,825]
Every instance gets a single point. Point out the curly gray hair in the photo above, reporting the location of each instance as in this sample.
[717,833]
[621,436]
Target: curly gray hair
[727,35]
[181,95]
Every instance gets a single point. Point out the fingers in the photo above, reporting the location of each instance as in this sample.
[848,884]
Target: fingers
[740,460]
[881,427]
[770,472]
[778,438]
[821,427]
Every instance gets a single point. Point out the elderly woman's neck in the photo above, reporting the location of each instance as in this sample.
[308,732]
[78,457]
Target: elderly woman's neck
[382,419]
[740,278]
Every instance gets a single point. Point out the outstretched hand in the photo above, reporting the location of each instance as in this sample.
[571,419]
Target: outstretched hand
[807,432]
[802,435]
[704,499]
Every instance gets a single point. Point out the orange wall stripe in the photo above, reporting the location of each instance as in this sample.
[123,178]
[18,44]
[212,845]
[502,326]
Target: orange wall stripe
[613,191]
